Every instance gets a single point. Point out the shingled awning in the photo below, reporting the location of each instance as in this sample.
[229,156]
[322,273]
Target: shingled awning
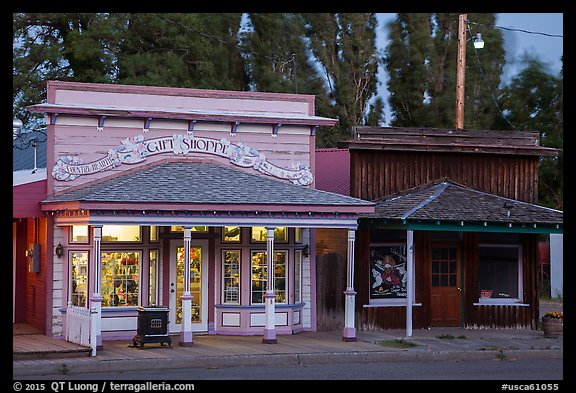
[203,193]
[445,205]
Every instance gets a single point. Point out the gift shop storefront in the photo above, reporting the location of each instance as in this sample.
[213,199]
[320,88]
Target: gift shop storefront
[199,201]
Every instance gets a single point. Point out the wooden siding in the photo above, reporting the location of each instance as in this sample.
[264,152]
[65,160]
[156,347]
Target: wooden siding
[376,174]
[331,254]
[35,293]
[508,316]
[26,199]
[73,138]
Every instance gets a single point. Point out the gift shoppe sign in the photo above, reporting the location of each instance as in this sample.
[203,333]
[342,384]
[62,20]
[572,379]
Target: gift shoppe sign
[136,149]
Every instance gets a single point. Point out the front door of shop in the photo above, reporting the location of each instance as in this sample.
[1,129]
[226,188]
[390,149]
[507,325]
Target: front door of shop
[198,284]
[446,289]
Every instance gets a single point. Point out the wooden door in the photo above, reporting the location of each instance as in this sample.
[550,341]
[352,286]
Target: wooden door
[445,286]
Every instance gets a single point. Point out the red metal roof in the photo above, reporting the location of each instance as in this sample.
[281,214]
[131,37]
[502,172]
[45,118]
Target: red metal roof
[333,170]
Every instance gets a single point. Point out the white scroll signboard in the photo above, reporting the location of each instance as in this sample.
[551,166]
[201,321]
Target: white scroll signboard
[136,149]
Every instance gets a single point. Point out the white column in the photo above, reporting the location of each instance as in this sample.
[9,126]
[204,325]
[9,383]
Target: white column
[270,297]
[410,281]
[186,333]
[349,331]
[96,321]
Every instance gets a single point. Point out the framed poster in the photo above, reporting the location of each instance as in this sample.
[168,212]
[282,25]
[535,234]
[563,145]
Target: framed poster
[388,276]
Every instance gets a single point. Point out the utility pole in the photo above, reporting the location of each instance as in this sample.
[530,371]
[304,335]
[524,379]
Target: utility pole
[461,71]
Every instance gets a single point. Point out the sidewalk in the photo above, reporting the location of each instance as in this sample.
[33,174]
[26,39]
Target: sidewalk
[214,351]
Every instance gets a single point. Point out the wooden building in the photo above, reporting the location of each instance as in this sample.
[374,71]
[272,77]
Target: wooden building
[454,238]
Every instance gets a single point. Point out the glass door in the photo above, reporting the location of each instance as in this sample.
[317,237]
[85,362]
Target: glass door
[198,284]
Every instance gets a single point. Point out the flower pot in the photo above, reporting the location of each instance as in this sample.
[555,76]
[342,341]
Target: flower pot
[553,327]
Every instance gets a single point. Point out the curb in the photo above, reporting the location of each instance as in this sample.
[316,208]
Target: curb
[78,366]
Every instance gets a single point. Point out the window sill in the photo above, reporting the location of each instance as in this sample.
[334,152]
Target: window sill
[500,302]
[391,304]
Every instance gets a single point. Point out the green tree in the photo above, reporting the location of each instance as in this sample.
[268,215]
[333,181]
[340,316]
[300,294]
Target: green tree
[64,46]
[181,50]
[345,47]
[421,61]
[533,100]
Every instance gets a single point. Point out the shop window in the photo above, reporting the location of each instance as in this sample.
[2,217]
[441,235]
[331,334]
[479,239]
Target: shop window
[231,235]
[153,237]
[298,235]
[153,278]
[195,283]
[79,278]
[120,278]
[121,234]
[259,234]
[79,234]
[197,228]
[231,277]
[500,273]
[388,275]
[259,276]
[297,276]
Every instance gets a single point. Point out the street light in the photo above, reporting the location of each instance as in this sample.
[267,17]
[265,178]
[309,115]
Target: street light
[478,42]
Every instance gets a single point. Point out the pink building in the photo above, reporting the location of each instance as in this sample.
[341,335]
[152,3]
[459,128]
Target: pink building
[180,198]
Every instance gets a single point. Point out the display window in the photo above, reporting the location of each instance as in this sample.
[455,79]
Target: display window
[500,273]
[197,228]
[121,234]
[153,278]
[260,234]
[231,276]
[195,283]
[153,236]
[79,278]
[79,234]
[297,276]
[297,235]
[231,235]
[388,275]
[259,276]
[120,278]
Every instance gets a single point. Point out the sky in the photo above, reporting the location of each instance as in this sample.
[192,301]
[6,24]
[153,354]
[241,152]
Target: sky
[516,43]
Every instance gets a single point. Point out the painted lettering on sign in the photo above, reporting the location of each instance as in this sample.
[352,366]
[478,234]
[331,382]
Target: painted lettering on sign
[136,149]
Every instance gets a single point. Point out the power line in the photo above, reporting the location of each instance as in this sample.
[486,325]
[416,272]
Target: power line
[240,48]
[520,30]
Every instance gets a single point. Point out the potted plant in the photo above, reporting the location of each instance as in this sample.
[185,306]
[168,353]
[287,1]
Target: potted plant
[553,324]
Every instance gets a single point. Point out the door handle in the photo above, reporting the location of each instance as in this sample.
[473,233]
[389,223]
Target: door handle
[459,289]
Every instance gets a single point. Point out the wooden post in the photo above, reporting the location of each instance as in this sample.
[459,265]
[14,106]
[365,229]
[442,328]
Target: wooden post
[461,71]
[410,281]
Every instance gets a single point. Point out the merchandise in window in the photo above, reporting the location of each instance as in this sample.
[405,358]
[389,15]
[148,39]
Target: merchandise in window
[197,228]
[79,278]
[297,276]
[120,278]
[499,276]
[231,276]
[259,276]
[153,282]
[121,233]
[195,283]
[231,234]
[79,234]
[259,234]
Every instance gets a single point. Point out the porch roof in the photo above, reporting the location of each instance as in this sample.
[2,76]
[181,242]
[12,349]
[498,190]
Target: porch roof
[202,193]
[446,205]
